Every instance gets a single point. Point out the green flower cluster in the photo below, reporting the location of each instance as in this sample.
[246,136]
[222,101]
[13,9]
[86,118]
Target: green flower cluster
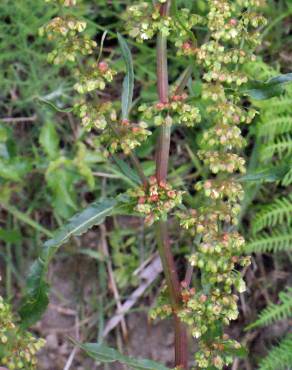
[18,348]
[176,111]
[124,135]
[232,40]
[117,135]
[95,115]
[218,354]
[93,77]
[155,201]
[144,20]
[66,32]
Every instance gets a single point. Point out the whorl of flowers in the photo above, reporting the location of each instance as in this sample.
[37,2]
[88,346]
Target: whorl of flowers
[94,77]
[67,31]
[232,40]
[114,133]
[18,348]
[144,20]
[155,201]
[91,75]
[176,111]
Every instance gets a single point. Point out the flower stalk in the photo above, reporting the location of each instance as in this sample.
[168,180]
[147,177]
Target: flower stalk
[162,159]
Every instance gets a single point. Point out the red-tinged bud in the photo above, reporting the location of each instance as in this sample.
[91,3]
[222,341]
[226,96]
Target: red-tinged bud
[208,184]
[186,46]
[184,284]
[236,119]
[193,212]
[103,67]
[192,291]
[152,180]
[154,198]
[203,298]
[226,237]
[160,106]
[162,184]
[149,219]
[176,98]
[125,122]
[171,194]
[233,22]
[141,200]
[136,129]
[235,259]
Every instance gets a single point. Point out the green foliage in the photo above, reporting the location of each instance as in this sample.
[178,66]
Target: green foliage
[273,87]
[23,68]
[276,241]
[271,226]
[279,357]
[128,83]
[36,299]
[274,312]
[276,213]
[106,354]
[18,348]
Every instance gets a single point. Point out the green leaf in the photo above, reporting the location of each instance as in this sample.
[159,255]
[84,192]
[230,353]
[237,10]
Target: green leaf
[61,183]
[14,169]
[54,106]
[106,354]
[92,254]
[271,174]
[127,170]
[10,236]
[49,140]
[128,83]
[259,90]
[36,299]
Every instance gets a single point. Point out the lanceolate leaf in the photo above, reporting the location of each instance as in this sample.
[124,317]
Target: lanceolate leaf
[128,84]
[35,300]
[259,90]
[106,354]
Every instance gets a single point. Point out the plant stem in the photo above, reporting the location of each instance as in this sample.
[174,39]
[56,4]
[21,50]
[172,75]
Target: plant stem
[164,245]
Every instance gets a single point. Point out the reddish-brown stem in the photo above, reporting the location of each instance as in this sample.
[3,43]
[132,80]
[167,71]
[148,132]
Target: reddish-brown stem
[164,245]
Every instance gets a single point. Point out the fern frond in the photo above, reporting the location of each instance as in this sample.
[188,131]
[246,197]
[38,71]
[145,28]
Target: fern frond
[281,147]
[277,106]
[278,241]
[279,357]
[274,312]
[278,212]
[270,125]
[287,179]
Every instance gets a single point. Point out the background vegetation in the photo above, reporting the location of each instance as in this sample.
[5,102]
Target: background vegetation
[50,168]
